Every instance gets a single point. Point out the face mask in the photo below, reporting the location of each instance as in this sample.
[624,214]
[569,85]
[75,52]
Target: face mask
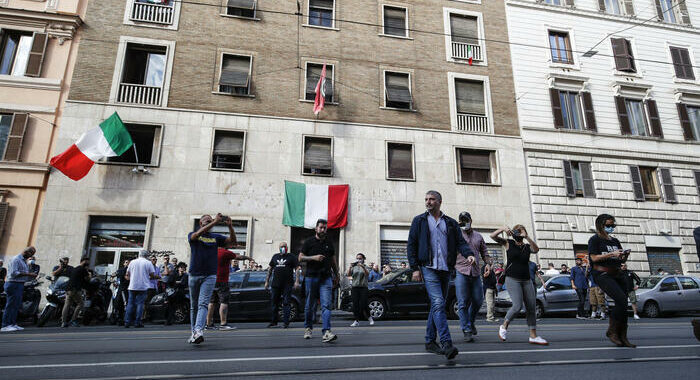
[283,250]
[361,261]
[518,238]
[609,229]
[467,227]
[31,262]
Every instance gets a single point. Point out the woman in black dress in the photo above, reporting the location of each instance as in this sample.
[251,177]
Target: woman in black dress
[606,254]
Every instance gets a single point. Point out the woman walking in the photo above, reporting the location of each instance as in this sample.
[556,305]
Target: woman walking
[606,254]
[360,274]
[518,282]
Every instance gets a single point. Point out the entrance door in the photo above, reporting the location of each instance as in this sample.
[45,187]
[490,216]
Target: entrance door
[107,260]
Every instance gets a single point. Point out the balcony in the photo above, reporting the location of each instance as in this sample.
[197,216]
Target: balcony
[154,13]
[470,123]
[460,50]
[139,94]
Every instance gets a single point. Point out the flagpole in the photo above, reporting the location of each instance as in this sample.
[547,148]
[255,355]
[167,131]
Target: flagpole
[135,153]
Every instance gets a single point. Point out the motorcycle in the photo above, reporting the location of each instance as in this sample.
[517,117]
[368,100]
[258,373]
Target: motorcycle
[97,299]
[177,299]
[55,298]
[31,297]
[119,299]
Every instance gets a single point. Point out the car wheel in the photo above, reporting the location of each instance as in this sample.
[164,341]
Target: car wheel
[452,311]
[651,309]
[377,308]
[182,314]
[539,310]
[293,311]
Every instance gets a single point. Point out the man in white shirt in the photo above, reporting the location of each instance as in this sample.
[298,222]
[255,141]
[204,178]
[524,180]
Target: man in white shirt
[551,271]
[139,273]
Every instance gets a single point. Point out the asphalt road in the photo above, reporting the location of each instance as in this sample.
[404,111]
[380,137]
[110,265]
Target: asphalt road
[578,349]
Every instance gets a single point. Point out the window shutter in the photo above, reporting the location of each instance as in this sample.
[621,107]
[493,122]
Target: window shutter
[394,21]
[628,6]
[400,162]
[13,148]
[588,184]
[569,180]
[464,29]
[685,122]
[556,108]
[588,109]
[397,88]
[317,154]
[4,209]
[235,71]
[667,185]
[637,183]
[677,62]
[601,5]
[36,55]
[659,11]
[654,120]
[470,97]
[242,4]
[618,48]
[686,64]
[629,56]
[622,115]
[228,144]
[697,180]
[683,10]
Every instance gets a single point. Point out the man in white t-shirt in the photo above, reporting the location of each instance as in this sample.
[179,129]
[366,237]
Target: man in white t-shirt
[551,271]
[139,273]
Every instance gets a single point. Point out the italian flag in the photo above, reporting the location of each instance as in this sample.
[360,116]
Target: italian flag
[109,139]
[305,204]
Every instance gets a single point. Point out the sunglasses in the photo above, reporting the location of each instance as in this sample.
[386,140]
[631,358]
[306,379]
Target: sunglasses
[611,225]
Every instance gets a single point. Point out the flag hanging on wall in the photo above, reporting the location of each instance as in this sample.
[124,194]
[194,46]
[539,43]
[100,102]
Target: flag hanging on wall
[320,99]
[109,139]
[305,204]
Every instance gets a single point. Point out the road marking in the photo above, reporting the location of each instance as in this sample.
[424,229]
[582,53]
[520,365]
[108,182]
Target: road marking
[449,365]
[317,357]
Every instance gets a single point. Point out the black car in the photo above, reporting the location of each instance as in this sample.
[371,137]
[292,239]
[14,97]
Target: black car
[248,299]
[397,293]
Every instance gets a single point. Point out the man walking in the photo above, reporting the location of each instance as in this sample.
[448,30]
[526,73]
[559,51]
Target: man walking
[320,278]
[18,274]
[139,273]
[579,283]
[468,285]
[203,268]
[281,270]
[632,281]
[75,293]
[596,297]
[433,242]
[491,290]
[221,288]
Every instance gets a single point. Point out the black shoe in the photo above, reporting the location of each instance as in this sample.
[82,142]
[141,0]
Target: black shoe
[272,324]
[127,326]
[450,351]
[139,326]
[468,336]
[474,330]
[434,348]
[64,325]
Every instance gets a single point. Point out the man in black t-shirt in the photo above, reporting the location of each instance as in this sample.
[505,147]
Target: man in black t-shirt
[320,279]
[281,270]
[75,292]
[62,269]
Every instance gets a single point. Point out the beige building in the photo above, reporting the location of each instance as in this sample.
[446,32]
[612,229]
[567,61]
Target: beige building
[37,52]
[218,100]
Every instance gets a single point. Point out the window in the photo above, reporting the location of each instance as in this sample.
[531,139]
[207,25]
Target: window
[687,283]
[560,2]
[256,280]
[318,156]
[143,74]
[313,74]
[321,13]
[624,58]
[617,7]
[572,110]
[638,117]
[690,121]
[669,284]
[241,8]
[235,280]
[470,101]
[464,35]
[652,184]
[153,11]
[579,179]
[235,74]
[22,53]
[560,283]
[395,21]
[229,149]
[673,11]
[473,166]
[397,90]
[399,161]
[145,150]
[12,128]
[696,173]
[240,228]
[682,65]
[560,47]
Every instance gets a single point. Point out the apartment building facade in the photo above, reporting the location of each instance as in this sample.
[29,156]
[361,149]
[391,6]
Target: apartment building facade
[218,99]
[37,51]
[609,108]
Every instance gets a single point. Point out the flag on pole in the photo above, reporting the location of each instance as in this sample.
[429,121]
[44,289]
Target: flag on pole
[470,54]
[320,99]
[305,204]
[109,139]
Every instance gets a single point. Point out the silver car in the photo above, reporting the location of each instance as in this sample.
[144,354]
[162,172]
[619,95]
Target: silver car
[555,296]
[671,293]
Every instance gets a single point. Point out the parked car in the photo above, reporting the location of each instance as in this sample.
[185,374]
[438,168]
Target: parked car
[662,294]
[555,296]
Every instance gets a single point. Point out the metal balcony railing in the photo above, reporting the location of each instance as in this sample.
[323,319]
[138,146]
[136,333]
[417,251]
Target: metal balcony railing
[460,50]
[139,94]
[470,123]
[155,13]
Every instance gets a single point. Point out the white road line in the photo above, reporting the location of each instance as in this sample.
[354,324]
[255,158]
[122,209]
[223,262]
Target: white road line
[316,357]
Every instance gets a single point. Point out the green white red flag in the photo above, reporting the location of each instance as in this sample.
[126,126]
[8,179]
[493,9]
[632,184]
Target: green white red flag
[305,204]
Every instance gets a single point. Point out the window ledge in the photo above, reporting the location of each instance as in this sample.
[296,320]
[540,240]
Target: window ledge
[326,103]
[562,65]
[397,37]
[30,82]
[398,109]
[317,175]
[26,166]
[479,184]
[133,164]
[252,96]
[581,131]
[686,81]
[320,27]
[627,74]
[401,179]
[651,138]
[240,17]
[225,170]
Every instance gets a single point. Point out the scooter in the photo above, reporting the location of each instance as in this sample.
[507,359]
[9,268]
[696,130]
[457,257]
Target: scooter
[97,299]
[55,298]
[119,299]
[31,297]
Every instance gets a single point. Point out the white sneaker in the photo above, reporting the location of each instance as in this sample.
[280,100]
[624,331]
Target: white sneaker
[502,333]
[198,337]
[602,315]
[18,328]
[538,340]
[8,329]
[371,321]
[593,315]
[328,337]
[636,316]
[355,324]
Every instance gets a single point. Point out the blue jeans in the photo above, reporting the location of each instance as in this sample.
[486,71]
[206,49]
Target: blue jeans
[137,301]
[201,288]
[470,296]
[14,292]
[318,288]
[436,284]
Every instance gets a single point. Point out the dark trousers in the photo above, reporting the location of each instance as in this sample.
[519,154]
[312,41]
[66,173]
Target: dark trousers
[277,295]
[581,293]
[360,307]
[614,286]
[14,291]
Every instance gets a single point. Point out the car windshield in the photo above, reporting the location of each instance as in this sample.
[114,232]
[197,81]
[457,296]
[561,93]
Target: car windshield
[649,282]
[389,277]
